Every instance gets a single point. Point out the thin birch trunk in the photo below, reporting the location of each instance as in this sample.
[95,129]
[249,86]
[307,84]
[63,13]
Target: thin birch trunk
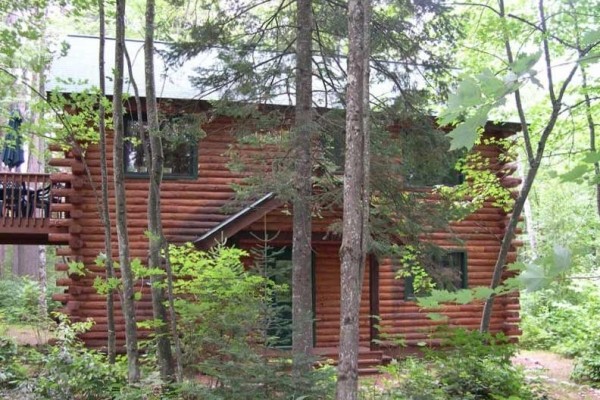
[128,301]
[155,170]
[528,213]
[110,271]
[39,147]
[534,159]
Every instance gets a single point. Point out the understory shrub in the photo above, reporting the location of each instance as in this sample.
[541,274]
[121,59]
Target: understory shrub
[19,298]
[561,318]
[473,366]
[224,311]
[12,370]
[64,371]
[68,370]
[587,364]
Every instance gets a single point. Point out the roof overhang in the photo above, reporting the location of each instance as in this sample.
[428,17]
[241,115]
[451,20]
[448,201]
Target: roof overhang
[238,221]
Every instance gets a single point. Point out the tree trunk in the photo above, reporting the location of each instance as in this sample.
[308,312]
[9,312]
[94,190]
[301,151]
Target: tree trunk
[110,273]
[302,318]
[163,344]
[591,130]
[529,223]
[534,159]
[36,162]
[128,302]
[355,214]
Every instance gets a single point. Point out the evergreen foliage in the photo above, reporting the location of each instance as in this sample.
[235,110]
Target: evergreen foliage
[252,44]
[474,366]
[224,314]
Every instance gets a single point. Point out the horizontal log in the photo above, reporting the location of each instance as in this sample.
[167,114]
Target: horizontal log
[61,162]
[61,297]
[60,222]
[61,267]
[59,238]
[58,147]
[61,177]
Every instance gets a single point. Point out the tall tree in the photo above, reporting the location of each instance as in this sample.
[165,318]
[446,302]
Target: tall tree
[355,233]
[478,95]
[302,333]
[128,294]
[110,272]
[165,357]
[556,93]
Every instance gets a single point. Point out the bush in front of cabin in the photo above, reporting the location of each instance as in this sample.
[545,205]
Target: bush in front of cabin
[471,366]
[223,312]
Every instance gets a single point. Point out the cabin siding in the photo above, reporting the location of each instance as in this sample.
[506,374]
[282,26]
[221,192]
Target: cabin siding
[190,208]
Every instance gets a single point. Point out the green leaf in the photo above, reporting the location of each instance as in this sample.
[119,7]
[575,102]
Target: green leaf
[76,268]
[482,292]
[533,278]
[561,261]
[468,93]
[592,157]
[536,82]
[464,296]
[466,134]
[100,260]
[491,85]
[443,296]
[517,266]
[575,174]
[437,317]
[525,62]
[590,58]
[427,302]
[590,38]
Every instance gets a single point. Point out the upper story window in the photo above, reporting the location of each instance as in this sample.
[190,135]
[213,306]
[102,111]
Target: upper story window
[427,162]
[180,150]
[449,272]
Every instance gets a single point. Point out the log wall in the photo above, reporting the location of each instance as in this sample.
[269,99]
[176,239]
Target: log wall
[191,207]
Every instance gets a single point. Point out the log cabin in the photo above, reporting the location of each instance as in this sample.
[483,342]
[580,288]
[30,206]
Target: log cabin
[198,185]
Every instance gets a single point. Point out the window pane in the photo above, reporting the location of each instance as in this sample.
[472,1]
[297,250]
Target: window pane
[426,160]
[134,150]
[448,272]
[279,270]
[180,153]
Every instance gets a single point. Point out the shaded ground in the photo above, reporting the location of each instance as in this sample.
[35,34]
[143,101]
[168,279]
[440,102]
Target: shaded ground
[554,371]
[26,335]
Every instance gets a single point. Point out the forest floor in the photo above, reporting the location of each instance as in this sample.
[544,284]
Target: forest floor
[26,334]
[550,370]
[553,372]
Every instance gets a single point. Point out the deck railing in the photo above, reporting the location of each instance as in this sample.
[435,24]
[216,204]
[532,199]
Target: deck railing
[25,200]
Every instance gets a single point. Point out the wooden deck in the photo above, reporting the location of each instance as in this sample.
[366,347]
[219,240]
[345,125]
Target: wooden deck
[32,209]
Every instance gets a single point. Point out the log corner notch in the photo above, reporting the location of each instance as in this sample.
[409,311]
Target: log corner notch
[506,168]
[67,184]
[238,221]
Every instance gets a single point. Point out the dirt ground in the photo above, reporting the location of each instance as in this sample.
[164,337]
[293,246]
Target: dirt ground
[26,335]
[554,371]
